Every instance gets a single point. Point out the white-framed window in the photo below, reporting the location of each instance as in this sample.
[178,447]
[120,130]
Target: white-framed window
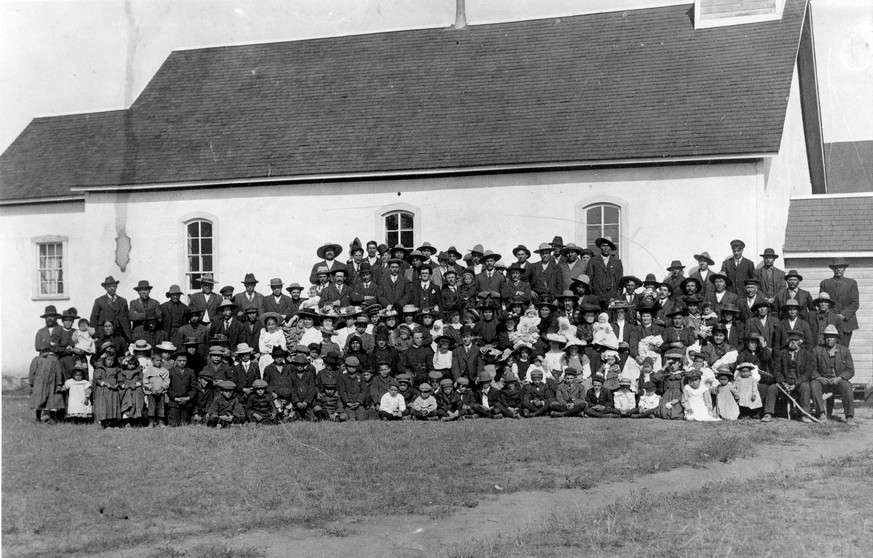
[200,250]
[602,220]
[400,228]
[50,277]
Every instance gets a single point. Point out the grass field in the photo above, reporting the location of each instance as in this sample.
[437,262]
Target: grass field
[823,509]
[80,489]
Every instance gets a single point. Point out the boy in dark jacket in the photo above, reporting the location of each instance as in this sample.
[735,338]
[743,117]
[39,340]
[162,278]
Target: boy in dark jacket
[203,398]
[225,409]
[181,392]
[449,404]
[259,405]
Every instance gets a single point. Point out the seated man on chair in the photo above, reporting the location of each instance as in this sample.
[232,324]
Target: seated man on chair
[833,370]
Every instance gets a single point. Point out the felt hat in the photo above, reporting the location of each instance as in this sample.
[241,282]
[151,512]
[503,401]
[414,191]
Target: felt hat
[280,319]
[486,374]
[509,376]
[831,330]
[356,246]
[193,309]
[587,307]
[605,240]
[571,248]
[794,334]
[337,250]
[226,385]
[627,279]
[165,347]
[649,385]
[243,348]
[307,313]
[713,276]
[769,253]
[515,266]
[694,280]
[557,242]
[579,282]
[651,281]
[521,248]
[227,303]
[793,273]
[326,330]
[751,281]
[674,353]
[109,281]
[340,269]
[226,290]
[730,308]
[50,312]
[400,248]
[839,262]
[206,279]
[546,304]
[259,384]
[544,247]
[140,345]
[489,254]
[216,350]
[249,278]
[276,282]
[106,346]
[333,358]
[450,271]
[415,254]
[444,337]
[382,248]
[174,290]
[452,250]
[761,304]
[648,307]
[365,267]
[737,243]
[594,378]
[675,264]
[568,294]
[791,303]
[427,246]
[328,384]
[69,314]
[398,261]
[676,310]
[446,383]
[322,270]
[143,286]
[823,297]
[404,378]
[704,256]
[300,358]
[425,388]
[719,328]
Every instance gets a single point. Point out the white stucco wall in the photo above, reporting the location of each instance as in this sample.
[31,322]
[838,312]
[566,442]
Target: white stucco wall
[669,212]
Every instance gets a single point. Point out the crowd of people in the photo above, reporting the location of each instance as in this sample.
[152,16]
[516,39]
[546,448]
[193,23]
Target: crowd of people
[421,334]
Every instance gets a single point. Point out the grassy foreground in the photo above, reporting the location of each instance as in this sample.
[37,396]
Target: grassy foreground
[80,489]
[823,509]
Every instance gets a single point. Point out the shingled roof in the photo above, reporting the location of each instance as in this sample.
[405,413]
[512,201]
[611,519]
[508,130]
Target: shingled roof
[620,86]
[824,224]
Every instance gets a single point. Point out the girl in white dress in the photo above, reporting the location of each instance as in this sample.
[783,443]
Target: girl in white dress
[694,399]
[79,395]
[271,336]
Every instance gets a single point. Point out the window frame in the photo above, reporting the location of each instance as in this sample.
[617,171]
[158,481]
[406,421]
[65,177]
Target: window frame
[186,274]
[36,243]
[582,221]
[384,212]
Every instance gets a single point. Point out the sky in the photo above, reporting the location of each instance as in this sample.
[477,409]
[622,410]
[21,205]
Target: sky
[70,56]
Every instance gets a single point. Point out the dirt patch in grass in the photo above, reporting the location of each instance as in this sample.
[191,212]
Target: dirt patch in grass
[115,489]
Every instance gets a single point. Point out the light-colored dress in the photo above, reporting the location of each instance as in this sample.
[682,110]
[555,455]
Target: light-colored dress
[725,403]
[694,401]
[748,387]
[266,342]
[79,398]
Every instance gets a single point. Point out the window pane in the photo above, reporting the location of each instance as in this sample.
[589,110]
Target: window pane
[205,229]
[406,238]
[593,215]
[193,229]
[193,283]
[612,232]
[592,234]
[610,214]
[391,223]
[206,246]
[391,238]
[193,246]
[406,221]
[193,263]
[207,263]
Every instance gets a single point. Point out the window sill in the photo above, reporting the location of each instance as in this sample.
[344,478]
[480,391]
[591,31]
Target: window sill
[51,297]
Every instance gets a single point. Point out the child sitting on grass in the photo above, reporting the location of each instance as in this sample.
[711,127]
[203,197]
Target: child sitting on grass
[203,399]
[649,402]
[225,409]
[726,394]
[259,405]
[424,406]
[696,400]
[328,405]
[46,382]
[392,406]
[448,401]
[131,395]
[624,399]
[78,390]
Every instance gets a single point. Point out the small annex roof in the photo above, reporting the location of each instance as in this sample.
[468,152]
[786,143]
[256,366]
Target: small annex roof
[637,85]
[819,224]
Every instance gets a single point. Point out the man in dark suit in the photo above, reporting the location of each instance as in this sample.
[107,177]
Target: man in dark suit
[328,254]
[366,287]
[489,280]
[735,331]
[111,307]
[423,292]
[394,287]
[674,279]
[466,359]
[605,271]
[173,312]
[793,292]
[142,304]
[737,268]
[522,255]
[703,273]
[353,266]
[844,292]
[793,322]
[276,301]
[249,297]
[765,325]
[720,296]
[516,285]
[823,317]
[793,368]
[251,328]
[545,277]
[337,291]
[205,299]
[573,267]
[627,286]
[771,277]
[226,324]
[750,300]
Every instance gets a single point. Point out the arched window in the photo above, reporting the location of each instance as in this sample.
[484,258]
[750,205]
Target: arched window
[200,251]
[601,220]
[399,228]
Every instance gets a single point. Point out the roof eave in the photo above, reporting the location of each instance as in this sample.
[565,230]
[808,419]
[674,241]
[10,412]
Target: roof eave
[35,201]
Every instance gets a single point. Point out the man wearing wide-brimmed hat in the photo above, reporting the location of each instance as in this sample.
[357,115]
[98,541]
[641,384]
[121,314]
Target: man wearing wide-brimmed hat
[822,317]
[173,311]
[737,268]
[142,304]
[249,297]
[792,291]
[703,272]
[277,301]
[832,372]
[193,329]
[423,292]
[771,277]
[846,299]
[394,286]
[791,321]
[522,255]
[545,274]
[225,323]
[205,299]
[765,325]
[720,296]
[515,285]
[674,280]
[571,266]
[328,253]
[605,271]
[44,334]
[113,308]
[356,258]
[489,280]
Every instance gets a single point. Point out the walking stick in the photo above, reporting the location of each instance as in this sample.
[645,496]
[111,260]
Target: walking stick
[796,404]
